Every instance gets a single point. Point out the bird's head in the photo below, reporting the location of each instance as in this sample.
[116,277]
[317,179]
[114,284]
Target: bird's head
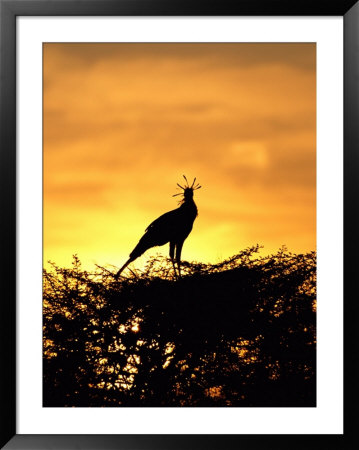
[187,190]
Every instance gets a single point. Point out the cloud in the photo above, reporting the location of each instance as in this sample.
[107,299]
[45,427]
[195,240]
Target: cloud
[73,55]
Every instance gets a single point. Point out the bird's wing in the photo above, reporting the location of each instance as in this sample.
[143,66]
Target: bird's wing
[166,221]
[159,232]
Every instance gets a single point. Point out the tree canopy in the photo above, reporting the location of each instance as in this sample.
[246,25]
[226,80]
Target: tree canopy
[238,333]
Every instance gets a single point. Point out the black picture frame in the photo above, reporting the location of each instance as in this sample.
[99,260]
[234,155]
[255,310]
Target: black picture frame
[9,10]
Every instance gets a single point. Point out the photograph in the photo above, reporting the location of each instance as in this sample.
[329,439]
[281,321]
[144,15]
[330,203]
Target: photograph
[179,224]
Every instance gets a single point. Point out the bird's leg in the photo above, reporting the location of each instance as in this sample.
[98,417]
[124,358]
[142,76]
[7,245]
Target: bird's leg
[178,257]
[172,256]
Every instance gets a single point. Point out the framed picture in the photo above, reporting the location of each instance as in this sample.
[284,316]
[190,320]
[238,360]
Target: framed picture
[235,340]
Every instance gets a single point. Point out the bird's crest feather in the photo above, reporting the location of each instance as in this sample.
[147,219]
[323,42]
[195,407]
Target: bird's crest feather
[193,187]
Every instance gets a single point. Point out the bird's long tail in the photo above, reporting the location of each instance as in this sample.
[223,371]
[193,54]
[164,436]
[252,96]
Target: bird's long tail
[140,248]
[124,266]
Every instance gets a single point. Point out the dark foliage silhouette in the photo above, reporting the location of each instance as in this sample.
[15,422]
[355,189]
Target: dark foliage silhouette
[238,333]
[173,227]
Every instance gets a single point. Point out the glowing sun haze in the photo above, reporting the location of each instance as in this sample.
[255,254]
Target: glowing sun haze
[123,122]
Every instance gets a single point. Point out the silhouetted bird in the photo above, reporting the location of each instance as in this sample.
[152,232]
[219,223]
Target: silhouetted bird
[173,227]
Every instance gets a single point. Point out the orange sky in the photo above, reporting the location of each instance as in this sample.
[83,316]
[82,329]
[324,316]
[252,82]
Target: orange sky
[123,122]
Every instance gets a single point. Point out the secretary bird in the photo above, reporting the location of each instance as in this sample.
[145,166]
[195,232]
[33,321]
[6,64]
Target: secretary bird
[173,227]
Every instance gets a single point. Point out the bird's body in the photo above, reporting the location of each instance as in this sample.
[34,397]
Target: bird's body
[172,227]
